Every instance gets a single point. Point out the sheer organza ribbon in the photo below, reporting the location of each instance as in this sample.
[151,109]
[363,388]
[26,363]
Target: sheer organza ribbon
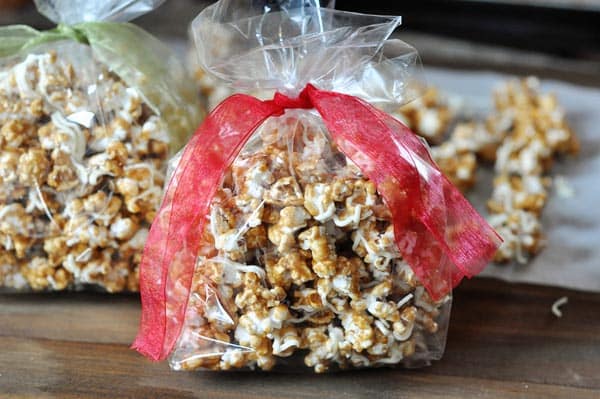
[437,231]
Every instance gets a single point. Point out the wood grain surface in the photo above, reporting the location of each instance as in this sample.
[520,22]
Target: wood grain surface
[503,342]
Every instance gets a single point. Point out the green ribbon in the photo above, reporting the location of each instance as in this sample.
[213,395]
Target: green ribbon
[137,57]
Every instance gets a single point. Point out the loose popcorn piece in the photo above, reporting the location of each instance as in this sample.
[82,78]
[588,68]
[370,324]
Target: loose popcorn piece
[458,164]
[81,173]
[429,115]
[299,261]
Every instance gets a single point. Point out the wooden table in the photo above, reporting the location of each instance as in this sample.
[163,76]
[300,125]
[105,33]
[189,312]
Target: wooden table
[503,342]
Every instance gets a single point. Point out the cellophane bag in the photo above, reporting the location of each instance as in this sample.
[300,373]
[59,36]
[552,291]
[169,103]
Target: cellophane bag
[311,231]
[89,113]
[211,88]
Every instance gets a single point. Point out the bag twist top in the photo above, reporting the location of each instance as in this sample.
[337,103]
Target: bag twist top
[337,63]
[137,57]
[285,45]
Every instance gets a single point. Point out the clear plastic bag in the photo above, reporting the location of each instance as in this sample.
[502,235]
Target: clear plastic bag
[89,114]
[288,236]
[298,265]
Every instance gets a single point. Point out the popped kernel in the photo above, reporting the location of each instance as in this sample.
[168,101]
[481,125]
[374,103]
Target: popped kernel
[429,115]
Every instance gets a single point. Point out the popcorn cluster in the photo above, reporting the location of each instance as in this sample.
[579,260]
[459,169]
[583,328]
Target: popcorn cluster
[524,134]
[429,115]
[536,134]
[299,258]
[81,174]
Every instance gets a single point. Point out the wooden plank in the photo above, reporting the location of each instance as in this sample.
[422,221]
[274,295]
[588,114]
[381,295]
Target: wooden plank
[503,342]
[107,370]
[72,316]
[508,332]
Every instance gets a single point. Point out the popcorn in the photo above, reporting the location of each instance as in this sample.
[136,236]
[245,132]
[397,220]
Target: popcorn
[537,132]
[290,269]
[301,265]
[526,192]
[429,116]
[460,166]
[522,234]
[292,219]
[318,201]
[522,137]
[81,174]
[210,89]
[285,341]
[32,167]
[284,192]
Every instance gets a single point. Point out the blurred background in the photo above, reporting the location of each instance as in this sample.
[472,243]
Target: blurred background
[552,38]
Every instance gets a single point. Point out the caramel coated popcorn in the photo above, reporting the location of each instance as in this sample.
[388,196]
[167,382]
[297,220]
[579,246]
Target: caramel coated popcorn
[525,133]
[522,137]
[299,261]
[534,131]
[81,174]
[429,115]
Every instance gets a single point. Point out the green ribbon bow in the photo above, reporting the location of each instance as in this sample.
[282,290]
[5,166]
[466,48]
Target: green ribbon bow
[137,57]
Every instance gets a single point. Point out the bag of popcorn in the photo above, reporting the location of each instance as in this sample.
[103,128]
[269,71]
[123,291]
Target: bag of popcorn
[89,112]
[312,230]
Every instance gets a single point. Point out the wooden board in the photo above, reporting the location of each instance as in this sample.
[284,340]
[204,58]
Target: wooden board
[503,342]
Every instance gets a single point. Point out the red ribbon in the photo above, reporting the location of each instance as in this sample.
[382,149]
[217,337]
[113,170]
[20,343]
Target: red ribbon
[437,231]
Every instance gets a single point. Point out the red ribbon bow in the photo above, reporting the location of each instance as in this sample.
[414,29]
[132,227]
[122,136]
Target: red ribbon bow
[437,231]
